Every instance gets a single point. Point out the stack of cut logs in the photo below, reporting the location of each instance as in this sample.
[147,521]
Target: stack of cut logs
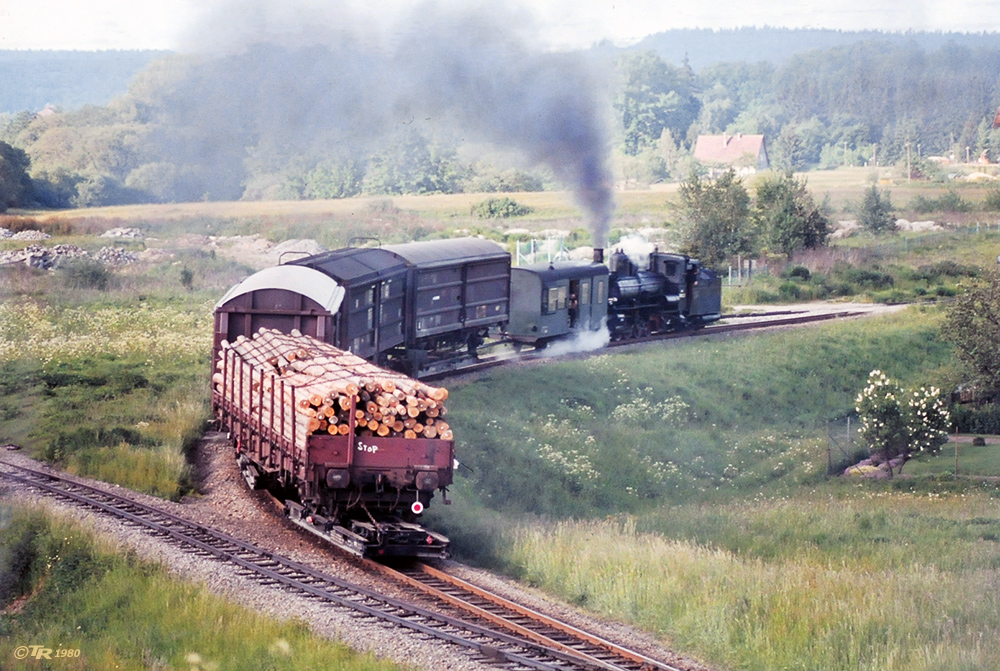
[279,370]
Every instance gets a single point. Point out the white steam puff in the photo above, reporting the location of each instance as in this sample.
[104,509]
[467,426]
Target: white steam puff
[583,341]
[294,79]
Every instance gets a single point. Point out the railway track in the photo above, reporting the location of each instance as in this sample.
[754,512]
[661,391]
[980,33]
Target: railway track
[491,629]
[770,321]
[520,620]
[783,318]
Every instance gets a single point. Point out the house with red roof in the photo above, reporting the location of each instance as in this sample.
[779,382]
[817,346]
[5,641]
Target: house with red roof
[746,154]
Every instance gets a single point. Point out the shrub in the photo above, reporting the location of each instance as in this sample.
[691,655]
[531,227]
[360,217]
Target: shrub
[797,272]
[789,291]
[966,419]
[923,205]
[868,279]
[991,203]
[86,274]
[891,427]
[500,208]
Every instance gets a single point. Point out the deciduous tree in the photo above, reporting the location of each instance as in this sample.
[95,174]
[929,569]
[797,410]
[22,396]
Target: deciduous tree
[654,96]
[973,325]
[15,184]
[716,215]
[786,216]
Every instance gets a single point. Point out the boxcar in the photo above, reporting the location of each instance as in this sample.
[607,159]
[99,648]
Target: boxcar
[405,306]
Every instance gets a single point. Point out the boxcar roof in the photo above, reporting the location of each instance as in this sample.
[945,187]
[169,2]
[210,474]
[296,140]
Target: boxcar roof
[305,281]
[438,252]
[561,270]
[354,264]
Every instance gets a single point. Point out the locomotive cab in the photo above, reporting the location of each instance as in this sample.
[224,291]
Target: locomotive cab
[674,269]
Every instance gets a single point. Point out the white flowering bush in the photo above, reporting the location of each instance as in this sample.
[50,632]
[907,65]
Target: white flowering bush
[927,419]
[895,423]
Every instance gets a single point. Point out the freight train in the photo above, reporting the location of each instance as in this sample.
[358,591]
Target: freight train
[357,452]
[423,307]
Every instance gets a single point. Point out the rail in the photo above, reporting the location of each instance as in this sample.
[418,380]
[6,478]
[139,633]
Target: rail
[491,644]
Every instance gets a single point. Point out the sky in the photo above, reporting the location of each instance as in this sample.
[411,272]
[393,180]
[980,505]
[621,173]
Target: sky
[562,24]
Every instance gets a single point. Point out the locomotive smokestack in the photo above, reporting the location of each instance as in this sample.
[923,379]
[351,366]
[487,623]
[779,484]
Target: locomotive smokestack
[598,255]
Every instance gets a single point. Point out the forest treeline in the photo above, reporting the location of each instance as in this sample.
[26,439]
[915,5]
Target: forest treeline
[296,123]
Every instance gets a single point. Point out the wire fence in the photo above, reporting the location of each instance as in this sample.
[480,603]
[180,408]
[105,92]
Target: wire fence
[842,450]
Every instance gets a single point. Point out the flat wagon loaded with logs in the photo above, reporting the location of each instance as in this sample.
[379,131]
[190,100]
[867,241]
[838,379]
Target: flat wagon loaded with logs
[355,451]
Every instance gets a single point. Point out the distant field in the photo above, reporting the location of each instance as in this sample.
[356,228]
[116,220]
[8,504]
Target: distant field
[652,206]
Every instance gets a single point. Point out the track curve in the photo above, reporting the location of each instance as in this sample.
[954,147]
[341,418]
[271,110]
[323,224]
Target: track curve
[487,642]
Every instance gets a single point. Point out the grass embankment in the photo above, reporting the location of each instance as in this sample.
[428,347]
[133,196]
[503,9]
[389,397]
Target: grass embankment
[704,463]
[839,587]
[702,418]
[109,381]
[63,590]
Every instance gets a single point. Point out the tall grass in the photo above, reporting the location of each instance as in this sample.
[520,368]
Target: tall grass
[123,613]
[799,612]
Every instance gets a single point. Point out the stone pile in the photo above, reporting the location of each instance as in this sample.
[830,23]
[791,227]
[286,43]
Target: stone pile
[132,233]
[112,256]
[30,235]
[37,256]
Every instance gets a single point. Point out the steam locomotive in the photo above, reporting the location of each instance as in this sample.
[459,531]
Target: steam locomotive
[423,307]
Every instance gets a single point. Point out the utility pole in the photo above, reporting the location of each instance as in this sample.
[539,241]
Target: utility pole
[908,171]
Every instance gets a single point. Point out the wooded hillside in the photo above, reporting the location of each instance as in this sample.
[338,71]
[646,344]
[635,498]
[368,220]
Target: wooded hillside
[351,122]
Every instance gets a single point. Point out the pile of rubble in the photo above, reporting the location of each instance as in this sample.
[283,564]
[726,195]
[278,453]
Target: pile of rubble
[30,235]
[132,233]
[36,256]
[23,235]
[112,256]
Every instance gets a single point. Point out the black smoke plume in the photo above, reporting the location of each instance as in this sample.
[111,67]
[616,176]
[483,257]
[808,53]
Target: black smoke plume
[268,90]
